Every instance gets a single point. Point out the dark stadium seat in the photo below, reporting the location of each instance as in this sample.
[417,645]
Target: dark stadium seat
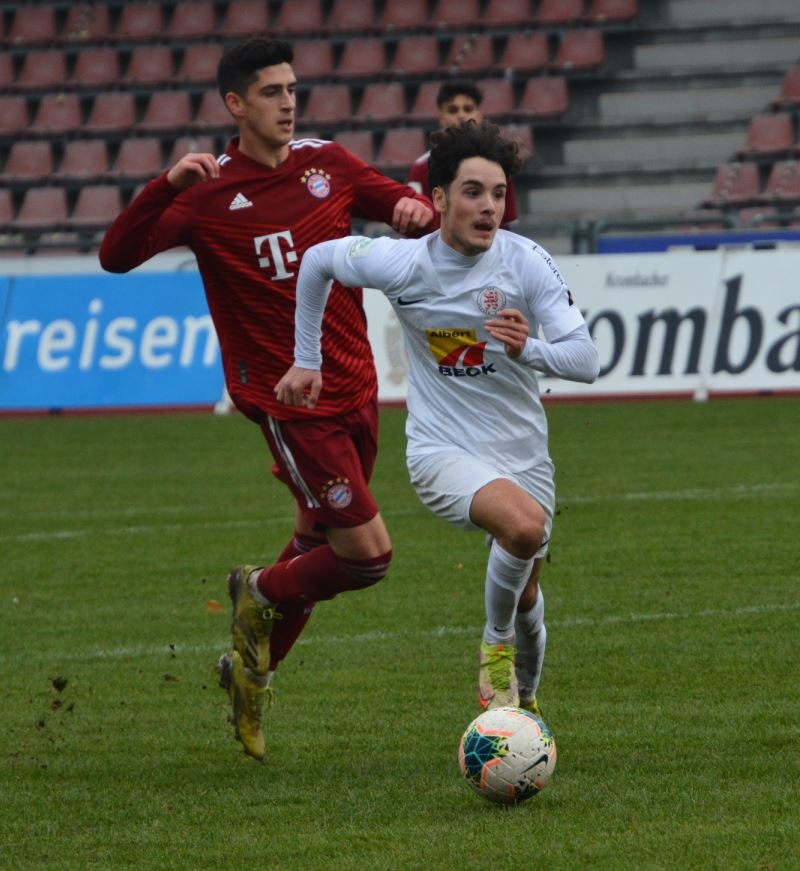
[199,63]
[150,64]
[545,97]
[579,50]
[783,182]
[401,146]
[86,22]
[7,71]
[6,207]
[362,56]
[313,58]
[455,14]
[166,110]
[300,17]
[327,103]
[83,158]
[139,157]
[212,113]
[381,102]
[347,16]
[96,65]
[245,18]
[140,21]
[734,183]
[33,24]
[508,13]
[789,97]
[469,54]
[403,15]
[28,160]
[57,113]
[526,52]
[43,68]
[559,12]
[96,205]
[612,11]
[417,55]
[359,142]
[44,206]
[111,112]
[13,114]
[192,19]
[768,134]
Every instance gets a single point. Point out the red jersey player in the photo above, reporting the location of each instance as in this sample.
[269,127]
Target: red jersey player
[249,216]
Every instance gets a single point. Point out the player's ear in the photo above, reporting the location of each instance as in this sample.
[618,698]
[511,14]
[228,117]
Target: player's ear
[234,103]
[439,198]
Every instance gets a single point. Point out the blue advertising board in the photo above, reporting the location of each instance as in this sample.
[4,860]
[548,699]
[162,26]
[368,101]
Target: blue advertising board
[106,341]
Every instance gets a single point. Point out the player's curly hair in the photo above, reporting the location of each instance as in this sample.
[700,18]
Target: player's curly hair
[239,65]
[452,145]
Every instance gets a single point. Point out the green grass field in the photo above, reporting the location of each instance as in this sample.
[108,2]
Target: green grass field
[672,681]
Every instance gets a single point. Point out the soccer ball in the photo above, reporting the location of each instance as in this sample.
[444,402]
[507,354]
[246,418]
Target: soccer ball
[507,755]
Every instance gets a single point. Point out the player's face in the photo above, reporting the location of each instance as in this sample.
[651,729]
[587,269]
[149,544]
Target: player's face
[458,109]
[266,113]
[473,206]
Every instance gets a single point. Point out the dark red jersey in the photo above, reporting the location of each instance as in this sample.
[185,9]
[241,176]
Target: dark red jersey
[249,230]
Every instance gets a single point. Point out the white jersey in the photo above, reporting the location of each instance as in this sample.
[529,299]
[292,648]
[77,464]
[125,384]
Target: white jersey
[463,389]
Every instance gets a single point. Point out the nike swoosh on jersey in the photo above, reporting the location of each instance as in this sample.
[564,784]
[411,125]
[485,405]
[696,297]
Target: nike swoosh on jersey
[401,301]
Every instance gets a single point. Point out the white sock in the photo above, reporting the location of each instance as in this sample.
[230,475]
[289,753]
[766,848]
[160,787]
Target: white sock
[506,576]
[531,642]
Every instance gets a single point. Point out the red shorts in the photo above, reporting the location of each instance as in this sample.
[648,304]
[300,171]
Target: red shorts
[327,463]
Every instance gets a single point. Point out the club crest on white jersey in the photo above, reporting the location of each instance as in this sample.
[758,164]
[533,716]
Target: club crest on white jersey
[491,300]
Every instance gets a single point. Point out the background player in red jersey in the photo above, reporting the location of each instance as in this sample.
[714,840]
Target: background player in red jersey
[459,100]
[249,216]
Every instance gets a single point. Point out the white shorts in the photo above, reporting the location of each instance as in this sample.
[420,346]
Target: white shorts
[447,481]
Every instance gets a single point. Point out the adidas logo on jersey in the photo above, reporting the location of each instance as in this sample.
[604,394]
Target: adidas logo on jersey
[240,201]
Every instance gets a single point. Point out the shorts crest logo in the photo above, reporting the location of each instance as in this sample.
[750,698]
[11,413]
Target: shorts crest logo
[317,182]
[491,300]
[338,493]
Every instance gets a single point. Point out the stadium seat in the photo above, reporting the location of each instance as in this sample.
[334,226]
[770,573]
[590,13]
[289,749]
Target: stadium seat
[455,14]
[327,103]
[579,50]
[768,134]
[417,55]
[783,182]
[789,97]
[212,113]
[32,24]
[498,98]
[526,52]
[758,217]
[469,54]
[83,158]
[6,207]
[612,11]
[313,58]
[245,18]
[96,205]
[347,16]
[734,183]
[166,110]
[424,107]
[508,13]
[96,65]
[86,22]
[362,56]
[402,15]
[28,161]
[13,114]
[359,142]
[192,19]
[57,113]
[43,68]
[140,21]
[401,146]
[544,97]
[381,102]
[151,65]
[201,143]
[523,135]
[559,12]
[302,17]
[139,158]
[42,207]
[7,71]
[111,112]
[199,63]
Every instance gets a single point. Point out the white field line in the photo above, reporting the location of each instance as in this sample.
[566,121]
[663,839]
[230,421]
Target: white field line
[698,494]
[381,636]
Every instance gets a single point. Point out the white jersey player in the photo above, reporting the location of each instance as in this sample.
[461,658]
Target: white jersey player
[472,300]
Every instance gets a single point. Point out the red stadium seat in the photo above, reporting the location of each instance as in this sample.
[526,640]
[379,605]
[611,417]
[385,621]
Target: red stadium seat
[783,182]
[526,52]
[96,205]
[580,50]
[544,97]
[28,161]
[6,207]
[612,11]
[111,112]
[327,103]
[13,114]
[85,22]
[358,142]
[758,217]
[151,65]
[57,113]
[508,13]
[166,110]
[345,15]
[417,55]
[139,158]
[424,107]
[364,56]
[212,113]
[83,158]
[299,17]
[789,97]
[455,14]
[43,68]
[523,135]
[498,98]
[33,24]
[470,54]
[7,72]
[42,207]
[192,19]
[140,21]
[96,65]
[202,143]
[246,17]
[401,15]
[199,62]
[401,146]
[734,183]
[768,134]
[559,12]
[313,58]
[381,101]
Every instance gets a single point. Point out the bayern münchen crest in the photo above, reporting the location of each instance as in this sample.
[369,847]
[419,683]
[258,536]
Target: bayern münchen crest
[491,300]
[318,183]
[338,494]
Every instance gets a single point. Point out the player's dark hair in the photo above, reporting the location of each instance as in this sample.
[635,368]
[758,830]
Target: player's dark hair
[452,145]
[239,65]
[455,87]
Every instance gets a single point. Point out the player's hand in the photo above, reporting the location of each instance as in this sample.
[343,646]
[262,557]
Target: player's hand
[410,215]
[191,169]
[511,328]
[299,387]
